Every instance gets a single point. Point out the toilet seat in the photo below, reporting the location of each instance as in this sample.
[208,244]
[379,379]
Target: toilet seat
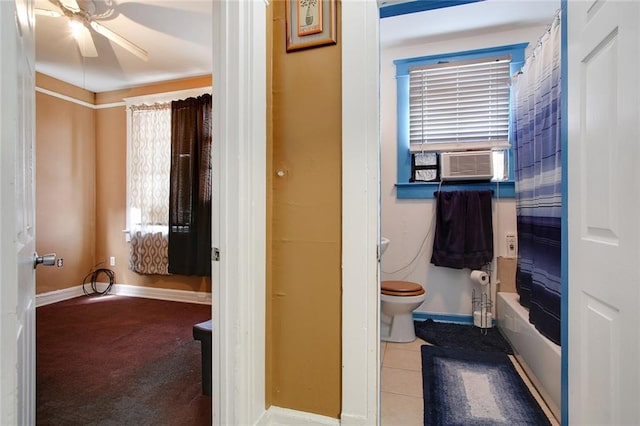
[398,300]
[401,288]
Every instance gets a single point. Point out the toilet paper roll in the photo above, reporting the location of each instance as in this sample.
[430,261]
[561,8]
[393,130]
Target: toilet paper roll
[480,277]
[482,319]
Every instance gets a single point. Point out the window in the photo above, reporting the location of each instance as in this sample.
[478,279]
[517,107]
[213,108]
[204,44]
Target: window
[150,130]
[149,159]
[149,164]
[455,102]
[459,103]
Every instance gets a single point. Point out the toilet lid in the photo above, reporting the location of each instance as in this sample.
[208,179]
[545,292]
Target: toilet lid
[401,288]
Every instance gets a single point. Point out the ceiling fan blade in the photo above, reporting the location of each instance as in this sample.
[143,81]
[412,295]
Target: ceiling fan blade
[85,42]
[47,12]
[118,39]
[70,4]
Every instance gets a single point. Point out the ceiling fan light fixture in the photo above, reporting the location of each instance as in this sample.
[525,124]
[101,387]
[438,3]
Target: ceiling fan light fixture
[76,28]
[81,20]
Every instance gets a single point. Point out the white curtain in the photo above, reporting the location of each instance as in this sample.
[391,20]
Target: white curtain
[149,164]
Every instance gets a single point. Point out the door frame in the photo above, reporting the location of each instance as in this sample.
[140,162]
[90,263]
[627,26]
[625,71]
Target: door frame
[239,211]
[239,62]
[360,213]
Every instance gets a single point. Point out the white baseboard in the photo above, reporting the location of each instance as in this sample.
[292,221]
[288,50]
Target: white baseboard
[277,416]
[161,293]
[43,299]
[126,290]
[352,420]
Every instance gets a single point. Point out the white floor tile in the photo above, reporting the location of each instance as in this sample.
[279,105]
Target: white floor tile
[401,410]
[398,358]
[411,346]
[402,382]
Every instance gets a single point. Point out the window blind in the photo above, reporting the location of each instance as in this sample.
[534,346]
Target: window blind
[461,102]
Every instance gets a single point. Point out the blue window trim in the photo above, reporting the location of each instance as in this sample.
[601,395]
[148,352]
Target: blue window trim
[419,6]
[404,189]
[505,189]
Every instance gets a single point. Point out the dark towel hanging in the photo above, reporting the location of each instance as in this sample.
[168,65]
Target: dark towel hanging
[464,229]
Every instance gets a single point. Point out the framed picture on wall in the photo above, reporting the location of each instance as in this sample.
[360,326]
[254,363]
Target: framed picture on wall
[310,23]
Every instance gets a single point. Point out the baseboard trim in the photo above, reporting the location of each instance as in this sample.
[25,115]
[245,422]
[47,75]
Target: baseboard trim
[126,290]
[161,293]
[351,420]
[452,318]
[50,297]
[277,416]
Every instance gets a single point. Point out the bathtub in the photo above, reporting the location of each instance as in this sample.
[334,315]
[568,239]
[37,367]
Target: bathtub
[539,356]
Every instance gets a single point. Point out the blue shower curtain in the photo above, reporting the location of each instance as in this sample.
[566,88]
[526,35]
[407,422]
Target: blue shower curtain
[536,136]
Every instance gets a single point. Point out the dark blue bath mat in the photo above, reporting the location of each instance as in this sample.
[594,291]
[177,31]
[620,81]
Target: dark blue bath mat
[462,336]
[464,387]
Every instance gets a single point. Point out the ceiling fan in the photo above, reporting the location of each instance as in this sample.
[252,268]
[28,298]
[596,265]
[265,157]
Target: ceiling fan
[81,14]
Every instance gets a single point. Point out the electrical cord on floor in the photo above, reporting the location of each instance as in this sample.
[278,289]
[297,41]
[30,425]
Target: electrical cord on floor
[93,276]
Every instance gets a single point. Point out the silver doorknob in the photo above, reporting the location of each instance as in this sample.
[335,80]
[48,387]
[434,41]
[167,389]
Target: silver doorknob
[47,259]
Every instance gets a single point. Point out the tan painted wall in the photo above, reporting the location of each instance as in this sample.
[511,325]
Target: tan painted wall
[62,88]
[167,86]
[304,309]
[81,185]
[269,211]
[65,186]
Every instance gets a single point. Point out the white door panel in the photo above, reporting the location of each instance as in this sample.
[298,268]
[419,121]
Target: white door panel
[603,194]
[17,219]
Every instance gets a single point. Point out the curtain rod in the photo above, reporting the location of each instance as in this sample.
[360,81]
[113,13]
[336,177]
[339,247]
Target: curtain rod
[547,30]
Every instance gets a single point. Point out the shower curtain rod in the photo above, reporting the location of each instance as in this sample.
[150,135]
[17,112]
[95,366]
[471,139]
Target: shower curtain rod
[547,30]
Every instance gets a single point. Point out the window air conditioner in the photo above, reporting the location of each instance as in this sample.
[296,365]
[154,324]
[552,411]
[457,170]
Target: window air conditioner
[468,165]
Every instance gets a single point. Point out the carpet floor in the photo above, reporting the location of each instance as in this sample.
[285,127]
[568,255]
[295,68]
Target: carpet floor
[465,387]
[113,360]
[462,336]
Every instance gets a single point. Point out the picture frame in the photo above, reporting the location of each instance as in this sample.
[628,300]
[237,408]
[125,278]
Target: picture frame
[310,23]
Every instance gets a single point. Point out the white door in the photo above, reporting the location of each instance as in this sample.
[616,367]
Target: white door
[604,212]
[17,214]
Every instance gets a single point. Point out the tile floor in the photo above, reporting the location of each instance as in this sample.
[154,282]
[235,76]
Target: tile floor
[401,387]
[401,384]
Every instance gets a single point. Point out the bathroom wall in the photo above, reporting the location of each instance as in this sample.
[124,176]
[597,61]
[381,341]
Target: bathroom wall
[81,184]
[408,222]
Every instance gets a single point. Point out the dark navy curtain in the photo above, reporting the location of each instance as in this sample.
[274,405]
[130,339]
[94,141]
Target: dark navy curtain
[190,187]
[536,135]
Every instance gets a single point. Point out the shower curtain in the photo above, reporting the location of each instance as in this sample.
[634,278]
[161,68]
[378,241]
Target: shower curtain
[536,136]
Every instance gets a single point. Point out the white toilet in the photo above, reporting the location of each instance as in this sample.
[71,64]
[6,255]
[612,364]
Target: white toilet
[398,300]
